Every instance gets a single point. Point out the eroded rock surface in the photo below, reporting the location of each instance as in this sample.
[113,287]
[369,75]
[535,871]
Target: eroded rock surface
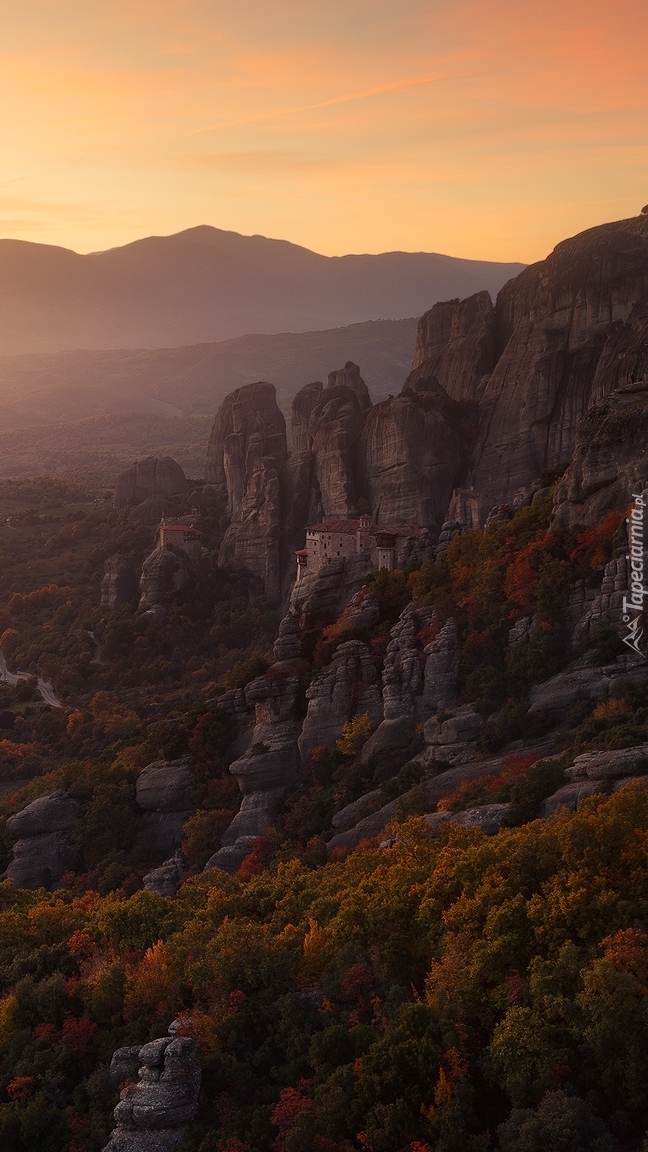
[345,688]
[610,461]
[164,570]
[455,341]
[164,791]
[42,833]
[153,1112]
[270,765]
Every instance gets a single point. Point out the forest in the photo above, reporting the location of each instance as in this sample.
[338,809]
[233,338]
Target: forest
[444,992]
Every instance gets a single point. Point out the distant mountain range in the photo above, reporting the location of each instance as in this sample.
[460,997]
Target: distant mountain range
[204,284]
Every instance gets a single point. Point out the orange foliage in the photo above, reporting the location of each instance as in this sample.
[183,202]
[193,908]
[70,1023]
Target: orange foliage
[627,950]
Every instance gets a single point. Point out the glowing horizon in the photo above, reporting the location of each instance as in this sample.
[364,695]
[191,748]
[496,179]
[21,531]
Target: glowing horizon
[484,131]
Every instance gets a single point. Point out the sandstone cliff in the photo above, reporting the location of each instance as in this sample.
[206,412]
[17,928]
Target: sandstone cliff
[610,460]
[559,327]
[414,452]
[455,342]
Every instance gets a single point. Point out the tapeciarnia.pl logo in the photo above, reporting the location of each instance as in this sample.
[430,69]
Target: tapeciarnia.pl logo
[633,601]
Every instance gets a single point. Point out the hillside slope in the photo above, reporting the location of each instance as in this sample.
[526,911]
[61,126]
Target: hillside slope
[204,284]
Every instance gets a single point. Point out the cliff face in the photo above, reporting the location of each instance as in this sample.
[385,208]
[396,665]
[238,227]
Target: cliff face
[495,396]
[559,325]
[456,342]
[245,456]
[413,452]
[610,460]
[248,426]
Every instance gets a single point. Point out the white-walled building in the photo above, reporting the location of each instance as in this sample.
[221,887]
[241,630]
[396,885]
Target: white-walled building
[329,540]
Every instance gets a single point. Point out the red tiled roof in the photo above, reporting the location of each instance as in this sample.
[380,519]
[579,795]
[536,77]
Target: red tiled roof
[186,528]
[352,526]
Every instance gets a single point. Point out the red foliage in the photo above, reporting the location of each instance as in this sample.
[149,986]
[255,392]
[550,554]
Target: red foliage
[237,999]
[594,545]
[256,860]
[79,1033]
[627,950]
[20,1089]
[292,1103]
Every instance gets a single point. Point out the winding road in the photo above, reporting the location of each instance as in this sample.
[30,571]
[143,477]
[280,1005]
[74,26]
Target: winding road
[44,687]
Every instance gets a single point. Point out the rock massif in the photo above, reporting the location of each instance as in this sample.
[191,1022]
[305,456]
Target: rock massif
[495,396]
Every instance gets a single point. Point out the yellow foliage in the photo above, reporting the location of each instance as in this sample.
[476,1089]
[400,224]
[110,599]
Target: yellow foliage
[152,982]
[354,734]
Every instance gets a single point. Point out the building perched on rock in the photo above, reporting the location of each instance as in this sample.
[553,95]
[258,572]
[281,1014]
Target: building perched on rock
[384,544]
[180,534]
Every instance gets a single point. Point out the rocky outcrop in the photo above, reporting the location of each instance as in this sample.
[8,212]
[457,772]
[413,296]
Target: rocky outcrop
[610,461]
[403,682]
[164,792]
[119,583]
[323,595]
[156,476]
[487,817]
[164,570]
[613,765]
[245,456]
[559,331]
[270,765]
[349,377]
[165,880]
[42,833]
[442,658]
[248,426]
[253,539]
[345,688]
[414,453]
[154,1110]
[334,430]
[150,511]
[455,342]
[569,797]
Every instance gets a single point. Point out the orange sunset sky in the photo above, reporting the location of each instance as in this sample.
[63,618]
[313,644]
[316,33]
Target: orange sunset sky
[486,130]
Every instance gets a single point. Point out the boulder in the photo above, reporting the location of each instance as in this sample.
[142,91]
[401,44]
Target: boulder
[610,765]
[487,817]
[570,796]
[558,694]
[153,1114]
[352,813]
[42,832]
[154,476]
[165,880]
[150,511]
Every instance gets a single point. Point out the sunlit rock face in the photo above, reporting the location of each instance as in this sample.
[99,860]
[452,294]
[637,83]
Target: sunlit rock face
[560,324]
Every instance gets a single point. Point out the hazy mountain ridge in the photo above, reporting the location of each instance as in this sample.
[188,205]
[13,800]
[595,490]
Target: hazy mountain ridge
[65,387]
[205,284]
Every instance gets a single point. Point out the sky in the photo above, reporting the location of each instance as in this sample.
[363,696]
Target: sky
[488,130]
